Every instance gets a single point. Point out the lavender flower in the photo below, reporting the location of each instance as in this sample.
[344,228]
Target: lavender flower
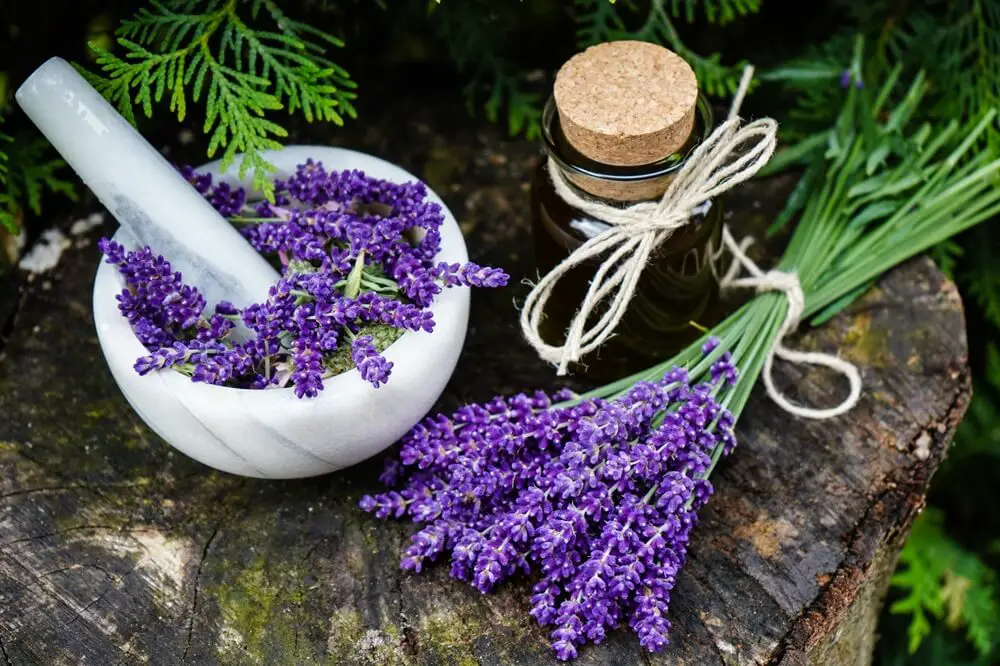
[373,367]
[710,345]
[156,302]
[202,182]
[176,354]
[595,499]
[227,200]
[847,76]
[322,228]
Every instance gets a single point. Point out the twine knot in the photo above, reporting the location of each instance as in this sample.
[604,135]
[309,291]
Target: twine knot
[787,283]
[730,155]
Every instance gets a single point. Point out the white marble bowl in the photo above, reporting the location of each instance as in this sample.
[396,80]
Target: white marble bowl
[271,433]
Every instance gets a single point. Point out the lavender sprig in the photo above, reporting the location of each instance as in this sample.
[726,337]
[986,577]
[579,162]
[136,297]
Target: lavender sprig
[357,254]
[593,497]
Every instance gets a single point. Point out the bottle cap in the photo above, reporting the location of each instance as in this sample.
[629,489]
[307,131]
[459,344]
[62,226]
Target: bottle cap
[626,103]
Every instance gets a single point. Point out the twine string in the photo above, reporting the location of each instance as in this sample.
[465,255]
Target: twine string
[788,284]
[729,156]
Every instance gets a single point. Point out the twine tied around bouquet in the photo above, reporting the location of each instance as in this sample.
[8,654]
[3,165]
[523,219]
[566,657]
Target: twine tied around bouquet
[731,155]
[788,284]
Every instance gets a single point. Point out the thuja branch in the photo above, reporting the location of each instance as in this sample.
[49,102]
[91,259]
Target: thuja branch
[225,53]
[6,201]
[28,170]
[601,20]
[469,30]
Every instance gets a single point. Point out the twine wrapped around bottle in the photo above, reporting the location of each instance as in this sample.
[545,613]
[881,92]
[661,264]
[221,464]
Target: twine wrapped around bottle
[731,155]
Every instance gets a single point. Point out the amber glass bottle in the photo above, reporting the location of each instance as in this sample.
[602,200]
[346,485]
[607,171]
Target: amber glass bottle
[678,292]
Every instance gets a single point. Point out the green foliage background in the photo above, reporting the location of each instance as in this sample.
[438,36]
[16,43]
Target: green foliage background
[241,66]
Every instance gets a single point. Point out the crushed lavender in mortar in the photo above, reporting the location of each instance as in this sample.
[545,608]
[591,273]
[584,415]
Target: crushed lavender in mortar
[593,498]
[356,256]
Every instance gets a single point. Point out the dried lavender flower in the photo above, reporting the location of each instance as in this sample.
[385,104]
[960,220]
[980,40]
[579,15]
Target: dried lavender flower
[592,498]
[323,228]
[373,367]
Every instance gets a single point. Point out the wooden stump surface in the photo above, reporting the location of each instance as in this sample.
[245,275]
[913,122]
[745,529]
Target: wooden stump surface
[116,549]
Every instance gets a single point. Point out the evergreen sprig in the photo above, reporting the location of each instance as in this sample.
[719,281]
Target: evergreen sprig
[6,200]
[959,45]
[956,44]
[225,53]
[469,29]
[814,81]
[941,579]
[940,648]
[715,11]
[27,172]
[600,20]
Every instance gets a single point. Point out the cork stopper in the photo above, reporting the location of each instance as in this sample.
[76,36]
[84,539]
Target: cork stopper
[626,103]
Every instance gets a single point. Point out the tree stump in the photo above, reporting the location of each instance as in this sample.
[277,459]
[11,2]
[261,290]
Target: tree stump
[116,549]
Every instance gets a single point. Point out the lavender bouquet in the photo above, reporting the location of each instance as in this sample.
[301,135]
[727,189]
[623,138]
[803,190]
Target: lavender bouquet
[357,262]
[595,496]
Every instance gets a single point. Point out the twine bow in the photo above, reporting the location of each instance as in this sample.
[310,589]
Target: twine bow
[788,284]
[729,156]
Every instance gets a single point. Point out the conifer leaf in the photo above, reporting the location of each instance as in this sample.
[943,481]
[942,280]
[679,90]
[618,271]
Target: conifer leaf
[28,171]
[599,21]
[470,32]
[715,11]
[6,201]
[942,580]
[245,58]
[978,271]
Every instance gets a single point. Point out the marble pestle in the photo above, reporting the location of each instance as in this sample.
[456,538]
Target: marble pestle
[144,192]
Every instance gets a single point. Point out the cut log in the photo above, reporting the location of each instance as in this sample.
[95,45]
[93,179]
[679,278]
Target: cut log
[116,549]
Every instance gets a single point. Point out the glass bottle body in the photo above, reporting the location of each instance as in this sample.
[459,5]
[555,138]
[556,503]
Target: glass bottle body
[678,293]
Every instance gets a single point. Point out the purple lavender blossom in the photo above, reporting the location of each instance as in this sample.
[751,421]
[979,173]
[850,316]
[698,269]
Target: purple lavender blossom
[373,367]
[710,345]
[226,199]
[309,371]
[724,369]
[194,351]
[847,76]
[155,301]
[470,275]
[202,182]
[594,499]
[321,226]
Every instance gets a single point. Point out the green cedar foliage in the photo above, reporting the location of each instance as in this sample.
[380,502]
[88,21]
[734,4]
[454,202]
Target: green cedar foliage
[7,203]
[955,42]
[244,58]
[28,171]
[470,30]
[941,648]
[942,580]
[600,21]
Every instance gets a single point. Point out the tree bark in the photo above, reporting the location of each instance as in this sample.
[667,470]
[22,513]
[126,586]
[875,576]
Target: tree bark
[116,549]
